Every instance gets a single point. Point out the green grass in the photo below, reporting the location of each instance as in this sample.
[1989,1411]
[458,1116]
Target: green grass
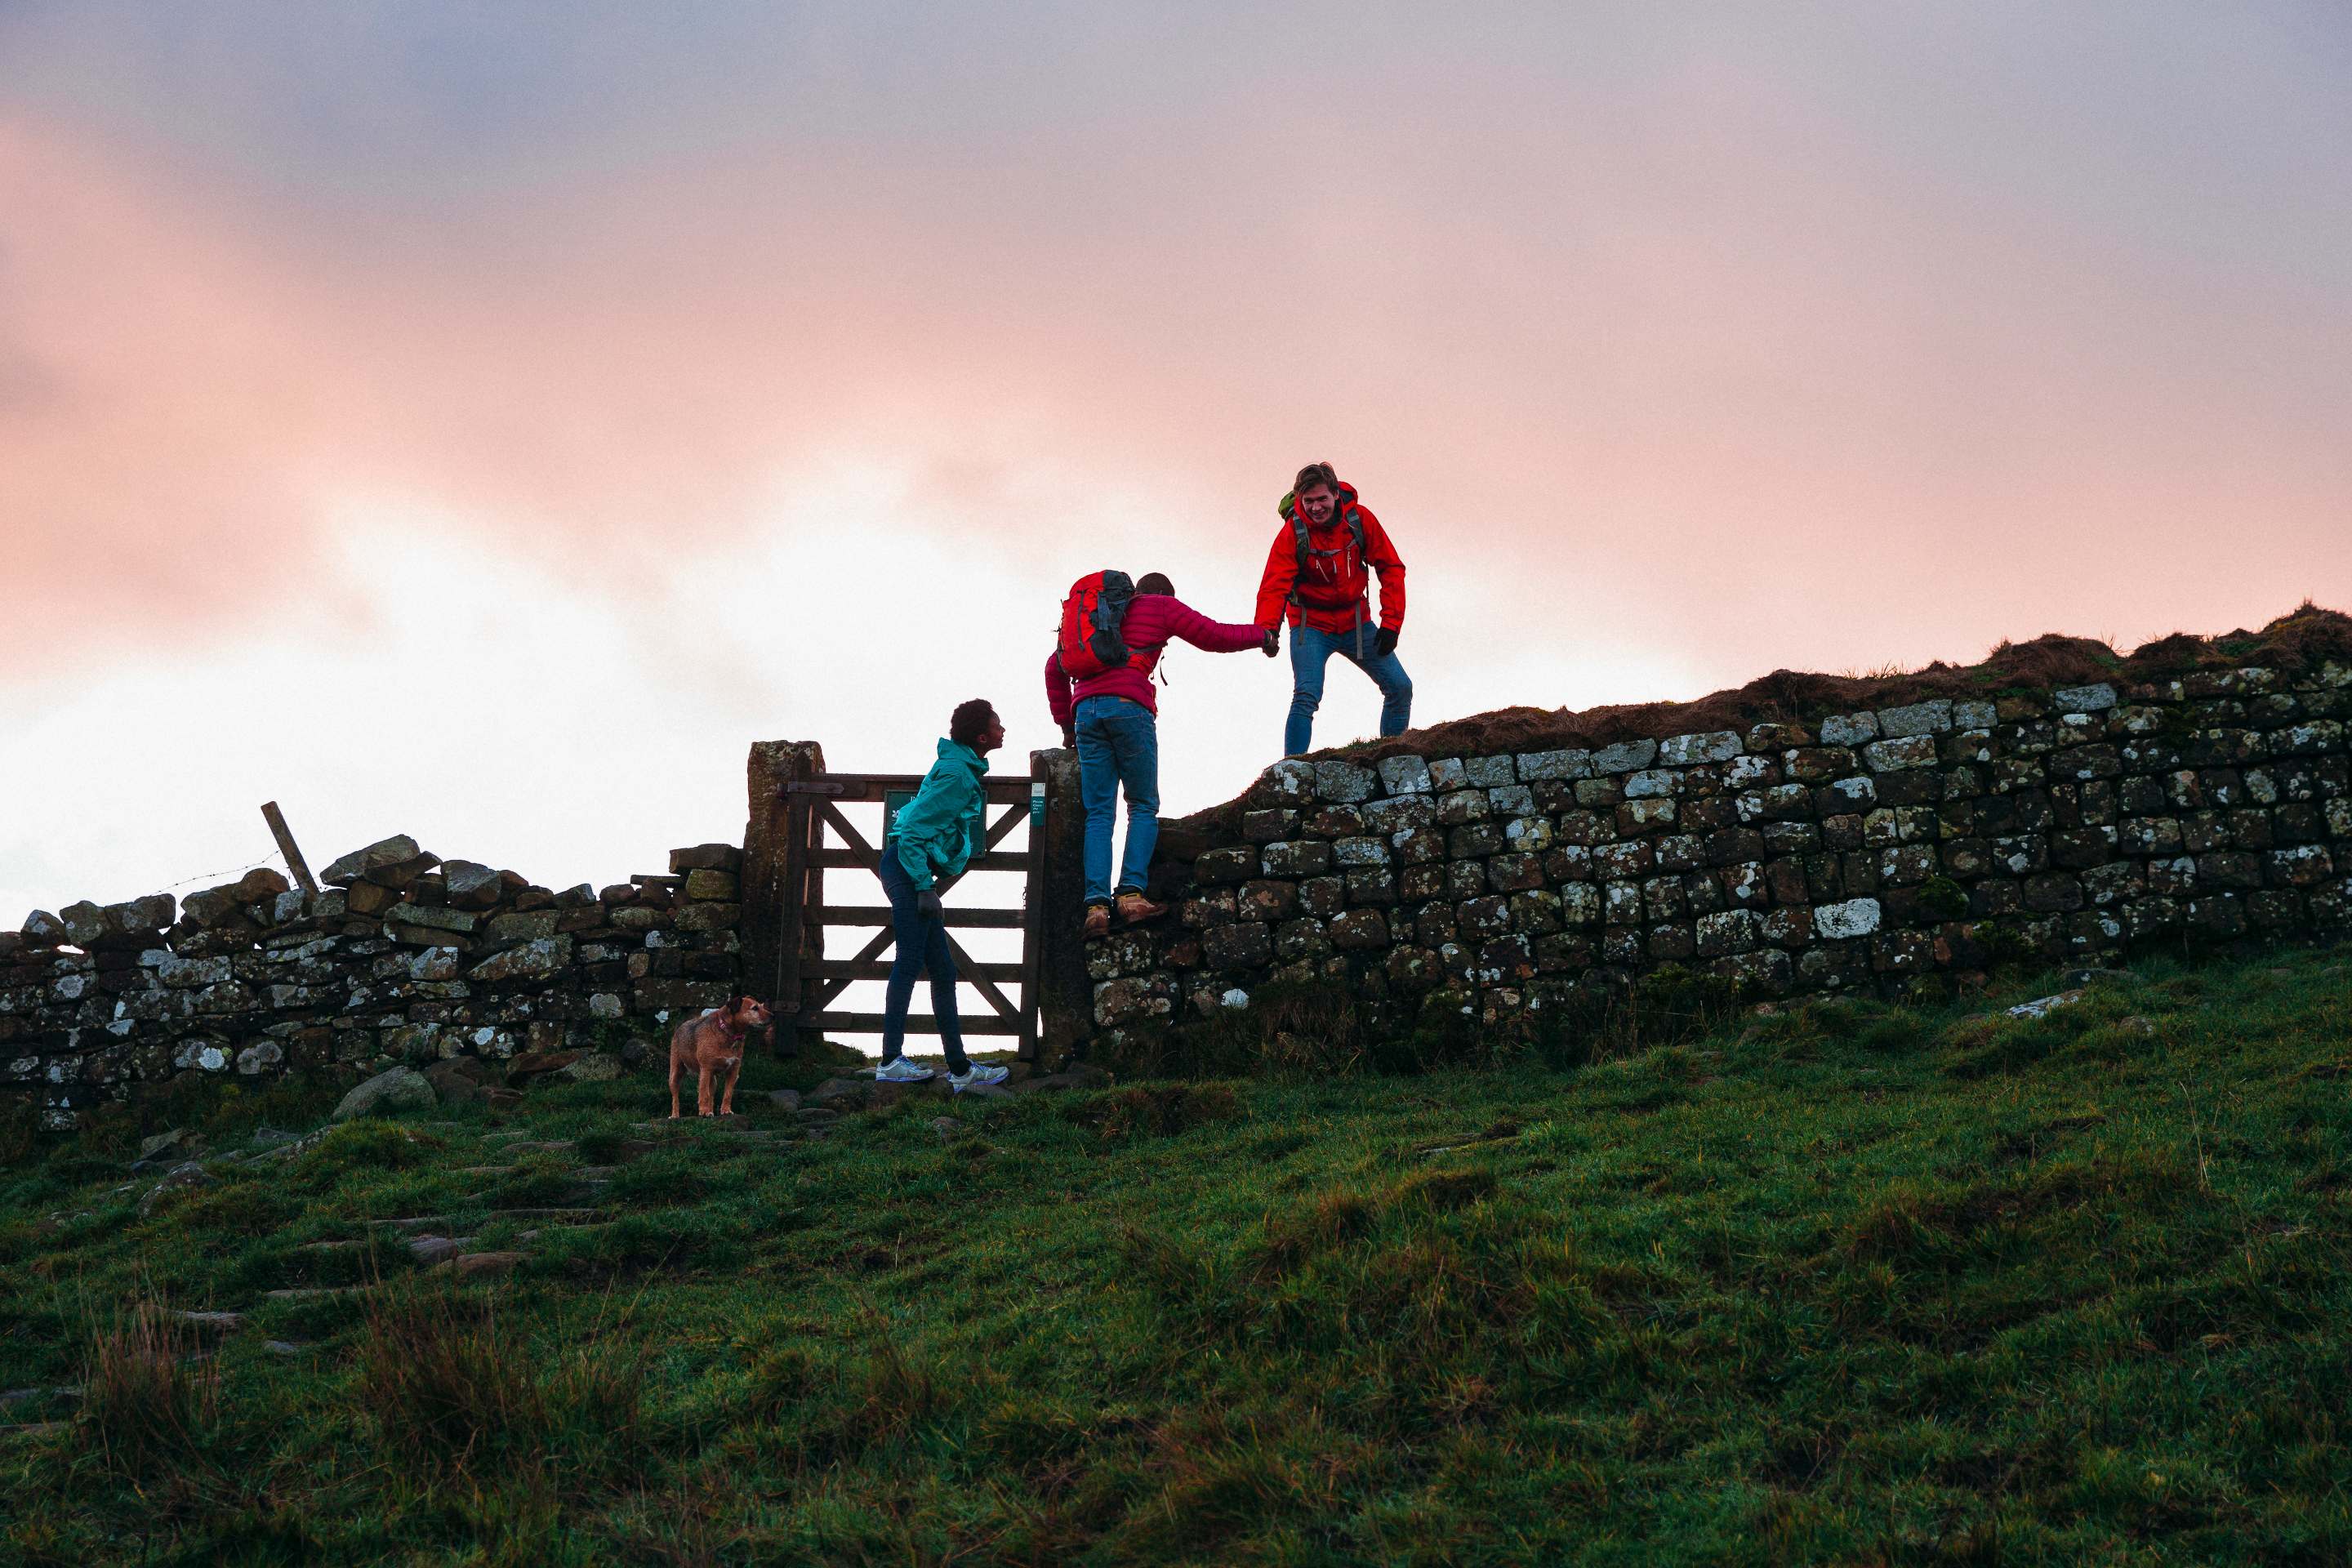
[1850,1283]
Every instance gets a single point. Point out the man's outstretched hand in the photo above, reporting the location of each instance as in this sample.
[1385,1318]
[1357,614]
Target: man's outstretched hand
[1273,639]
[929,902]
[1385,644]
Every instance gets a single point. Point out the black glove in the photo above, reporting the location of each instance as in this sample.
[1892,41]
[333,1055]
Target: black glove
[1385,644]
[929,902]
[1069,739]
[1273,639]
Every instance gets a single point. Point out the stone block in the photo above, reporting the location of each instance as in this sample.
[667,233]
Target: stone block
[1475,839]
[1621,861]
[1528,835]
[2304,866]
[1359,930]
[1464,805]
[1489,773]
[1297,857]
[1266,901]
[521,927]
[724,858]
[1709,746]
[714,887]
[1817,764]
[470,885]
[1514,873]
[1322,897]
[1653,784]
[1243,945]
[1399,813]
[1849,729]
[1404,776]
[396,850]
[1732,932]
[1640,816]
[1344,782]
[1417,846]
[1624,757]
[1333,822]
[1219,867]
[1301,942]
[1267,826]
[1350,853]
[2094,698]
[1851,917]
[1561,765]
[541,959]
[366,900]
[85,922]
[432,918]
[1907,752]
[1929,718]
[1763,738]
[674,995]
[709,917]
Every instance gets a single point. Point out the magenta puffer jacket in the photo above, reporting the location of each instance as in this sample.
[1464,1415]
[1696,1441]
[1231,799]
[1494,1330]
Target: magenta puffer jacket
[1151,620]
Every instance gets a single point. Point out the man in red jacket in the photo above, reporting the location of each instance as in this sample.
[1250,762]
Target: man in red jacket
[1323,560]
[1112,720]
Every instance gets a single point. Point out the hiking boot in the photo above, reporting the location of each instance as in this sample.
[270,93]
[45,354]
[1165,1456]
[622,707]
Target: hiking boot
[976,1075]
[1098,922]
[1133,907]
[899,1069]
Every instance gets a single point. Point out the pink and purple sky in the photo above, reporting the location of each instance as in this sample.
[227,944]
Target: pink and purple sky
[483,422]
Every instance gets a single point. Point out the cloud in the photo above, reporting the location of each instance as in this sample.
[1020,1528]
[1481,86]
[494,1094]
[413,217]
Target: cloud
[1671,348]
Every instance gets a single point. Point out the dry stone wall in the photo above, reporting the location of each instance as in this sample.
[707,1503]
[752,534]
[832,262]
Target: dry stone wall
[402,957]
[1879,849]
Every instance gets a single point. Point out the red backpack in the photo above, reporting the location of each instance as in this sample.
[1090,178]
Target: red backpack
[1092,617]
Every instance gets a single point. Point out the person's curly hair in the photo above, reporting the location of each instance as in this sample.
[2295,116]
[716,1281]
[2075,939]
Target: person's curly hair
[971,721]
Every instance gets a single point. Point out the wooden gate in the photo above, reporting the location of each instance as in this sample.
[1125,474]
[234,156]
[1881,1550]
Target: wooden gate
[820,836]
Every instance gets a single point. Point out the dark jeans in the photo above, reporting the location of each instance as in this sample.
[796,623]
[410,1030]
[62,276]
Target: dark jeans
[922,944]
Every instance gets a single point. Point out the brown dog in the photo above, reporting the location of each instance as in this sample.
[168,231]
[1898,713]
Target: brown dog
[711,1042]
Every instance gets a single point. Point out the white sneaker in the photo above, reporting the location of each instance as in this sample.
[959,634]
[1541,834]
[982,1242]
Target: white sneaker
[900,1069]
[976,1075]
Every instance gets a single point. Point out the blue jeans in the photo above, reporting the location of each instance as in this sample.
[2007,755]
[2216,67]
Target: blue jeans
[1118,743]
[922,944]
[1309,651]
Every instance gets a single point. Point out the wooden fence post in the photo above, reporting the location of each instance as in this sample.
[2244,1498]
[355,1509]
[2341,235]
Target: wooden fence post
[287,848]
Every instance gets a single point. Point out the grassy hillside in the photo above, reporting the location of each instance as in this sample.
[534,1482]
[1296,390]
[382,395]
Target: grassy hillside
[1849,1283]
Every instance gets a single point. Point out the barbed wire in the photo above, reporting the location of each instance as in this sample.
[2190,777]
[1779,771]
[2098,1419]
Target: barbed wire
[214,876]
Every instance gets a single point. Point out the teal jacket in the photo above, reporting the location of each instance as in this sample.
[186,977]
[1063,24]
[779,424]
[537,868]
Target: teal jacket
[940,830]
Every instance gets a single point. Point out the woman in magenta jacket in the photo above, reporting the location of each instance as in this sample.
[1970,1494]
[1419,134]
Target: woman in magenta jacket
[1112,718]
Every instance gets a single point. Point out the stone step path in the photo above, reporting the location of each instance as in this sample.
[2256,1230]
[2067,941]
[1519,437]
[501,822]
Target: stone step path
[435,1242]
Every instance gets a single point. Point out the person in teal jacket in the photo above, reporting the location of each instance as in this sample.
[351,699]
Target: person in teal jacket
[934,836]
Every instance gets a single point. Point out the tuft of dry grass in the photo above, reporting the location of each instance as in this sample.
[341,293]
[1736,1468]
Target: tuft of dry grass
[444,1385]
[148,1391]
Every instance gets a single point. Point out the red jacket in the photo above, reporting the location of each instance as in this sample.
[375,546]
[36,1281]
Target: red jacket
[1331,591]
[1151,620]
